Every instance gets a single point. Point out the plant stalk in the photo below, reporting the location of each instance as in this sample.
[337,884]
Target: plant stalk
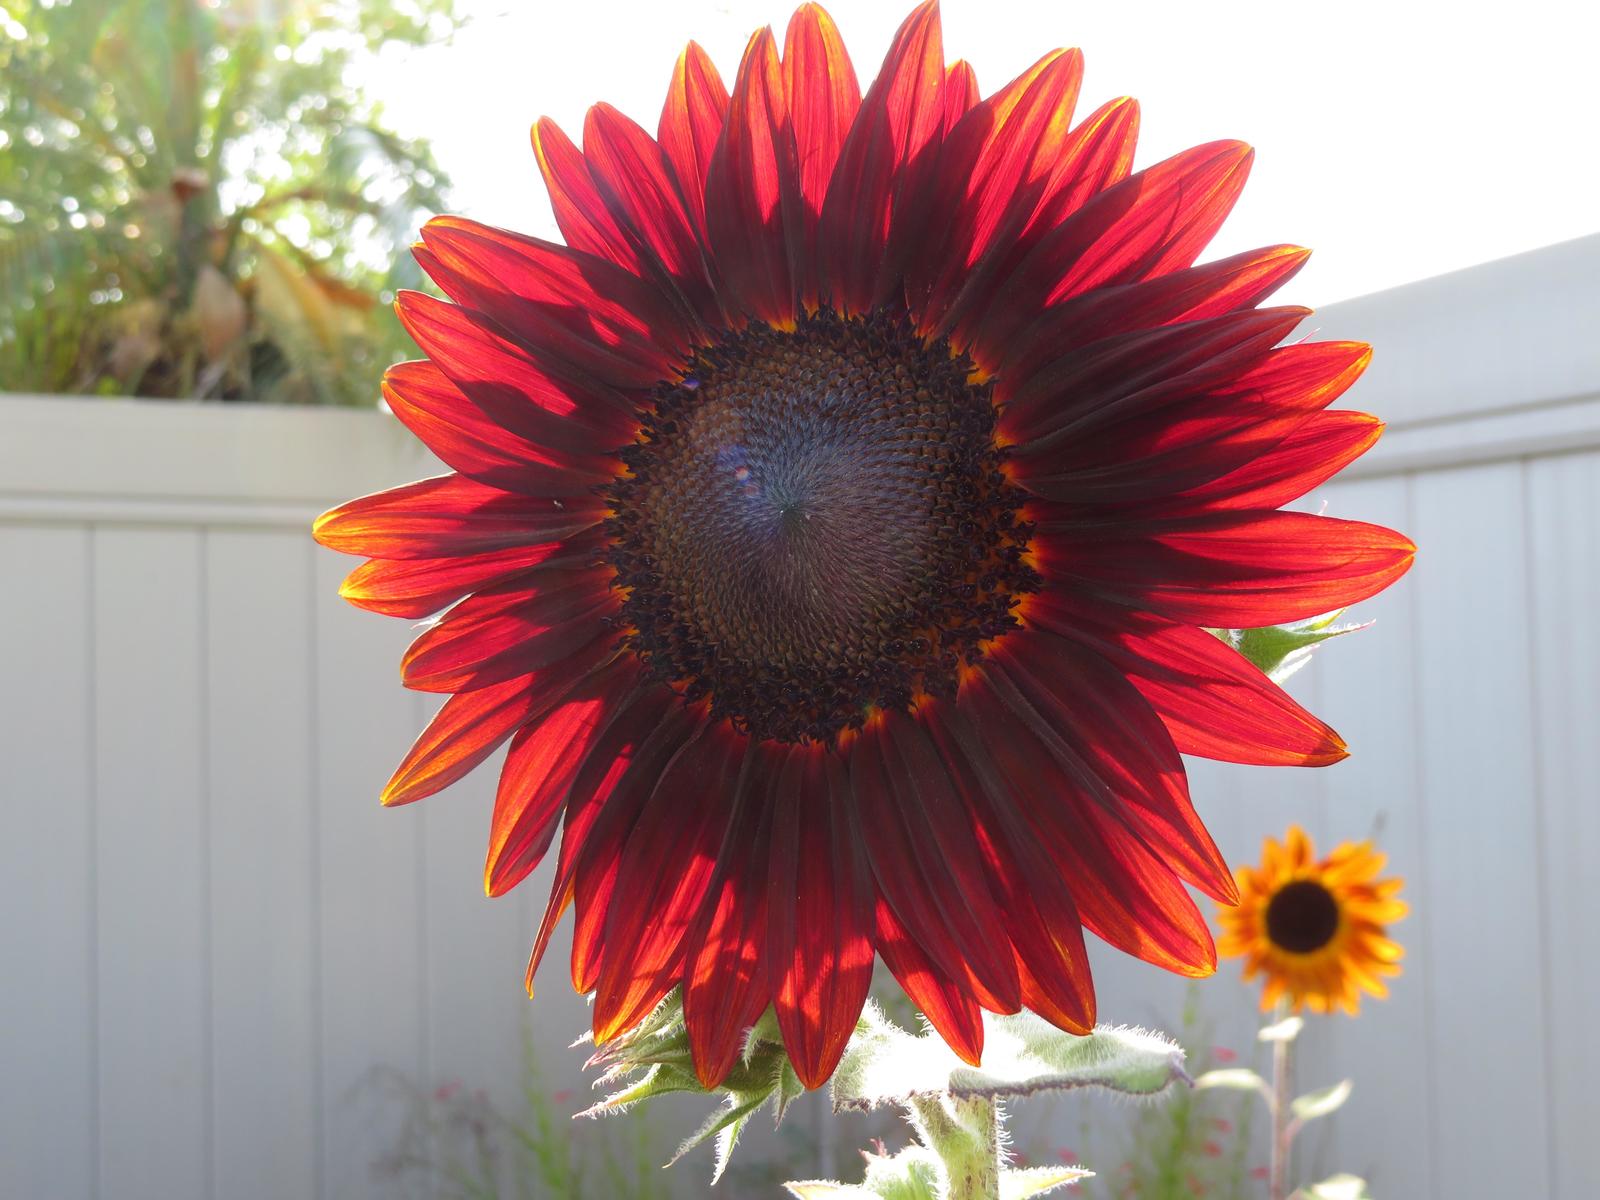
[965,1135]
[1282,1082]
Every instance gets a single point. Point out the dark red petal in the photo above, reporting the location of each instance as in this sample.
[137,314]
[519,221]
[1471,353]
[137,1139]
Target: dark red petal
[1316,451]
[901,113]
[930,805]
[503,382]
[949,1006]
[581,317]
[664,873]
[959,95]
[450,516]
[1193,294]
[637,182]
[511,630]
[585,220]
[644,730]
[1150,224]
[1105,733]
[725,985]
[1232,570]
[1155,450]
[1041,918]
[820,904]
[1137,374]
[920,848]
[420,587]
[1087,160]
[1123,891]
[993,170]
[537,777]
[471,726]
[753,207]
[470,441]
[1215,703]
[823,99]
[691,124]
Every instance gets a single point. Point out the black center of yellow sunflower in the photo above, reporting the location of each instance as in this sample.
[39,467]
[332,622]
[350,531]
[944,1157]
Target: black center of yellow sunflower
[814,524]
[1302,916]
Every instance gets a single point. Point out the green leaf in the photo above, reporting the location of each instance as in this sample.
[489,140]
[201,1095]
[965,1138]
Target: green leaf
[1320,1103]
[1238,1079]
[1278,651]
[912,1174]
[1285,1030]
[1023,1055]
[1036,1181]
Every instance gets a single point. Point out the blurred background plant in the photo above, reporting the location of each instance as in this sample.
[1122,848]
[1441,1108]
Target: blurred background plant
[195,202]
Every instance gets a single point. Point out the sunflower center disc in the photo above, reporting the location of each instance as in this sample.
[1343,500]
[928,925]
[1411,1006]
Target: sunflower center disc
[814,524]
[1302,917]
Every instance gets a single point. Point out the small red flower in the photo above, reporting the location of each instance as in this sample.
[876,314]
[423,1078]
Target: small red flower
[832,530]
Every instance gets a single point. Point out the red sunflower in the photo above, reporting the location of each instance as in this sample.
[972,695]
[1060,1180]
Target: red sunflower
[832,528]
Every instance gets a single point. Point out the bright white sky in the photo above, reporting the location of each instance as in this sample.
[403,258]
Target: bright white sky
[1399,140]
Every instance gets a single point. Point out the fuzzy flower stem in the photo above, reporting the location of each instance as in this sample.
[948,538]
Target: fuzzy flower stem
[965,1135]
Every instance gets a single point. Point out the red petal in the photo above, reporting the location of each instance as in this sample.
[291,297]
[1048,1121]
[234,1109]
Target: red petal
[1194,294]
[586,221]
[1214,701]
[511,630]
[1233,570]
[537,777]
[1137,374]
[820,915]
[1092,157]
[959,95]
[634,176]
[949,1006]
[1107,735]
[420,587]
[1150,224]
[470,441]
[901,113]
[450,516]
[939,824]
[823,99]
[992,175]
[470,727]
[503,382]
[1123,891]
[580,316]
[664,873]
[725,985]
[614,781]
[920,848]
[1313,453]
[753,210]
[1041,918]
[1156,450]
[691,124]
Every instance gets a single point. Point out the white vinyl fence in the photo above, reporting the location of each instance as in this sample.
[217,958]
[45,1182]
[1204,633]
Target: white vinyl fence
[219,956]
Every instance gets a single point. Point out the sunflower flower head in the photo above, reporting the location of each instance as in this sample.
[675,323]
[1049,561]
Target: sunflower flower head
[833,526]
[1316,930]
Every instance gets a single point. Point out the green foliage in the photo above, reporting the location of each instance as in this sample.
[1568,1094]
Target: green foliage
[196,200]
[1193,1142]
[1278,651]
[457,1145]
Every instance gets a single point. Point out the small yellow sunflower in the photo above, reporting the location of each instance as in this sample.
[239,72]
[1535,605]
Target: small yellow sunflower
[1315,929]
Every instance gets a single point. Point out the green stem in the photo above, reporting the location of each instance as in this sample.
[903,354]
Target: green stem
[965,1135]
[1282,1081]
